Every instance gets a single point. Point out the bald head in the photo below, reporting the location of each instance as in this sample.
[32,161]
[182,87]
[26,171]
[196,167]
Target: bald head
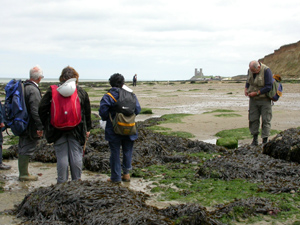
[254,66]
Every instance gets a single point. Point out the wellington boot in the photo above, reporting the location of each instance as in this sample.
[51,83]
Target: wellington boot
[23,169]
[265,140]
[254,141]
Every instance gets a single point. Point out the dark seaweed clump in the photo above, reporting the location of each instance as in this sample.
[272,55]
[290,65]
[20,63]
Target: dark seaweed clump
[149,149]
[286,145]
[274,175]
[96,202]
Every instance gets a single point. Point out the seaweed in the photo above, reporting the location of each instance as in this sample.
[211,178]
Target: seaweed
[247,162]
[96,202]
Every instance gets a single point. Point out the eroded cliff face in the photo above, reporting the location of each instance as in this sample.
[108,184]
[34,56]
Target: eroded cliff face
[285,61]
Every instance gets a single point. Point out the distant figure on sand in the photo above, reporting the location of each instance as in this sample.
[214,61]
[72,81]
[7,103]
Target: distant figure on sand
[134,80]
[259,82]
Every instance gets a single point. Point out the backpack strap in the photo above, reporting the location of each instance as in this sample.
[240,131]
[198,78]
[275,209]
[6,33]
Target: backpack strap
[111,96]
[114,100]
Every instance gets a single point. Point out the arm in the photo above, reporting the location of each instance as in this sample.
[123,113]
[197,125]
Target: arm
[34,98]
[105,104]
[137,107]
[45,107]
[87,110]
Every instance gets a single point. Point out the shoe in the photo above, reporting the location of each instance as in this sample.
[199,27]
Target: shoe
[126,178]
[254,141]
[4,167]
[265,140]
[115,182]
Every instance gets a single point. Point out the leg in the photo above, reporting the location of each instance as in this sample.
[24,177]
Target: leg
[254,120]
[254,117]
[61,151]
[75,157]
[2,165]
[26,149]
[127,147]
[115,166]
[266,120]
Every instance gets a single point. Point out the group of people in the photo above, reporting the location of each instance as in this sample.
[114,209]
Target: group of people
[68,143]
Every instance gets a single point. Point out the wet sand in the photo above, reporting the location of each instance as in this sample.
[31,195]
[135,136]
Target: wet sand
[163,99]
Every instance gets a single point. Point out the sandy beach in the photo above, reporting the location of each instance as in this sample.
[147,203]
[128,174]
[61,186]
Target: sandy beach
[195,99]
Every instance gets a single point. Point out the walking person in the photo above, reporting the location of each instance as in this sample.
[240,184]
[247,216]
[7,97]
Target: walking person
[28,140]
[2,165]
[68,141]
[259,82]
[115,140]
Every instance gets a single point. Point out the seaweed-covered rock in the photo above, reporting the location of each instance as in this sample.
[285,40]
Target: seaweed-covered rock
[96,202]
[248,162]
[286,145]
[251,207]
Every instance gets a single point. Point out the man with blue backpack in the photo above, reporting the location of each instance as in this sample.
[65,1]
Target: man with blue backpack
[29,138]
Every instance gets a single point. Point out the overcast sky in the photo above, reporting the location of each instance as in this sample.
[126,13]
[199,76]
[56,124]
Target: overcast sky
[157,39]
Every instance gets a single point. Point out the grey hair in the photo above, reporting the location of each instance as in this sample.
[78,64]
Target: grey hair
[36,72]
[254,64]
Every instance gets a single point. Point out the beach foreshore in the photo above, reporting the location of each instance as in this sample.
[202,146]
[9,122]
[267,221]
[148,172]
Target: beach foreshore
[198,98]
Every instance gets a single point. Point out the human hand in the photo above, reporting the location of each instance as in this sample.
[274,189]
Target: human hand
[2,125]
[39,133]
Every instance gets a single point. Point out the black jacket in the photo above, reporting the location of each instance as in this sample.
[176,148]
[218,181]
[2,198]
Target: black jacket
[51,133]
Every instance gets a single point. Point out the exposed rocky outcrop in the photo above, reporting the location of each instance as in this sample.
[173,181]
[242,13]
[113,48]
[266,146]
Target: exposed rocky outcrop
[285,61]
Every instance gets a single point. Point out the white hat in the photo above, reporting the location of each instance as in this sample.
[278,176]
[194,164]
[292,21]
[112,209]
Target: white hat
[67,88]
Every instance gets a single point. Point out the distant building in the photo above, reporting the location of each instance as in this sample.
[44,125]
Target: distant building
[198,75]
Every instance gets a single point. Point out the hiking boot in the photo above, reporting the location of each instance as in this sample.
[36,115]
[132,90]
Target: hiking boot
[4,167]
[23,169]
[265,140]
[254,141]
[115,182]
[126,178]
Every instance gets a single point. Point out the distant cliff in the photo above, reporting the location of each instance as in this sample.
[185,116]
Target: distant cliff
[285,61]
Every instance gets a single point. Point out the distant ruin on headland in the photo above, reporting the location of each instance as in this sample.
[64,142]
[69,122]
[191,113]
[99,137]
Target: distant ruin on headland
[198,75]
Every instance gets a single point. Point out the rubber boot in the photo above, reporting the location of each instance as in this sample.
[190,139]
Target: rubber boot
[265,140]
[254,141]
[23,169]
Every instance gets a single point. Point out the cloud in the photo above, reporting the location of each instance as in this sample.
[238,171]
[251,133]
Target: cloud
[159,39]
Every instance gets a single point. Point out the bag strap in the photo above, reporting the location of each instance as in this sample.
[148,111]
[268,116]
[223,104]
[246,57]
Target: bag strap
[114,100]
[111,96]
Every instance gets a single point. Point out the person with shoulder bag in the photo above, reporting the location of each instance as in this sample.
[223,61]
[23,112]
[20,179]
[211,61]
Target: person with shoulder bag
[108,108]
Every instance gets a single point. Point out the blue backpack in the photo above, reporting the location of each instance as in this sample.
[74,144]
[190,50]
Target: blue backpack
[15,112]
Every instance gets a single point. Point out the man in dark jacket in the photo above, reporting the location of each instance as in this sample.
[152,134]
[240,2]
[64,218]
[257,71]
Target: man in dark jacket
[115,140]
[67,143]
[28,140]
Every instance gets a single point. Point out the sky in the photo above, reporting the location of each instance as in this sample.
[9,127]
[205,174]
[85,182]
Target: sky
[157,39]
